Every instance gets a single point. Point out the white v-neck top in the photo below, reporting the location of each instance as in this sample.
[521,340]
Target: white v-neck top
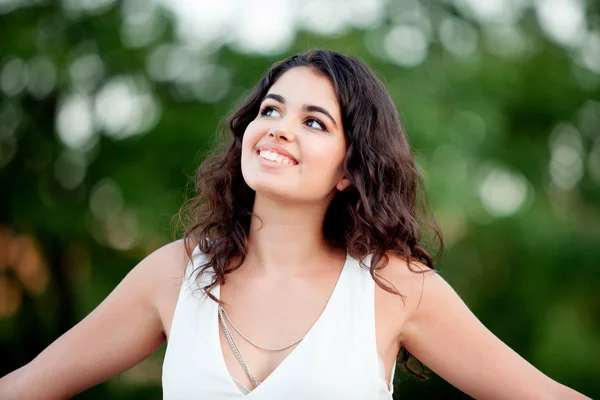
[337,359]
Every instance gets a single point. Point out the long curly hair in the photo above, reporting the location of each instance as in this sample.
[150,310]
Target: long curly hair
[383,210]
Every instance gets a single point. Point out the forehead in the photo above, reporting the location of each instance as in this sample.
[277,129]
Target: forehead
[303,85]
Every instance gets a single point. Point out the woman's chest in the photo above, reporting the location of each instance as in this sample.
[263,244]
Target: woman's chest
[276,315]
[331,362]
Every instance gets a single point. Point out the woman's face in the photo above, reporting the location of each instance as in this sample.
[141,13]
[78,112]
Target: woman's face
[295,147]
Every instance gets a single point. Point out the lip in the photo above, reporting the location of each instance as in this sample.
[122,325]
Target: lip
[275,148]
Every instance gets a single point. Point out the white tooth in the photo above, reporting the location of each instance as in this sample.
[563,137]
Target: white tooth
[275,157]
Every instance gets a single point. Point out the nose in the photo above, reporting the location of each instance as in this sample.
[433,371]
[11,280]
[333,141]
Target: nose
[281,133]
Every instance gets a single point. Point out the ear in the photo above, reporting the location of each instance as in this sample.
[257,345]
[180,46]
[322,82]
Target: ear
[343,184]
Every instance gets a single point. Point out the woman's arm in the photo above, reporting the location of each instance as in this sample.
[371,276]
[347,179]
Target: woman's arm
[443,334]
[122,331]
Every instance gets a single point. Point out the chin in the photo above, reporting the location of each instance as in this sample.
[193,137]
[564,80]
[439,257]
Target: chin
[272,190]
[280,188]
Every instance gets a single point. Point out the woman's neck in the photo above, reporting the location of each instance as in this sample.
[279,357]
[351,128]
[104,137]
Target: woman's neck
[285,239]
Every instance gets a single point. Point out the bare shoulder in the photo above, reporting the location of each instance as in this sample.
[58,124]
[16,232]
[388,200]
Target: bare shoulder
[123,330]
[411,280]
[441,332]
[167,262]
[161,274]
[165,267]
[160,269]
[408,278]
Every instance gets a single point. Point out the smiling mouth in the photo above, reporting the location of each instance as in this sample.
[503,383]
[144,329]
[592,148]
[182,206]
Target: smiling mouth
[275,157]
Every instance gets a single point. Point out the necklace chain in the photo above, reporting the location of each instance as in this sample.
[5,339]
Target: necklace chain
[224,319]
[223,311]
[235,348]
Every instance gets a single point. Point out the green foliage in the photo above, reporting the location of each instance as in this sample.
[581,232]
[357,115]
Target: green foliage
[507,137]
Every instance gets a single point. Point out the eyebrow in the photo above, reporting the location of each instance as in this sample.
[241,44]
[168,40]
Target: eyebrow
[305,107]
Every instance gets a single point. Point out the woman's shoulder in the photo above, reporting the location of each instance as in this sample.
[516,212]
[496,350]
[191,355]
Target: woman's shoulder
[166,262]
[164,269]
[410,278]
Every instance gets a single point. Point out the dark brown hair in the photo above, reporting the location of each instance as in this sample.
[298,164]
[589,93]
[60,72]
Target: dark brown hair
[382,211]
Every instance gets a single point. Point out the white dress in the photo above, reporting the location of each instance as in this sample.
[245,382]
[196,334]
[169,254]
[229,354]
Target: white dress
[337,359]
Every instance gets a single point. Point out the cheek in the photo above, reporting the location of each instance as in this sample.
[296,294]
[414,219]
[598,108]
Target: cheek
[248,134]
[329,162]
[250,139]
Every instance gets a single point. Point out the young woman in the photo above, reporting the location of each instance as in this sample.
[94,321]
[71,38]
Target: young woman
[303,274]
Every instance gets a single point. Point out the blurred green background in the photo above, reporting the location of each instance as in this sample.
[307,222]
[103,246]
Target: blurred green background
[107,107]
